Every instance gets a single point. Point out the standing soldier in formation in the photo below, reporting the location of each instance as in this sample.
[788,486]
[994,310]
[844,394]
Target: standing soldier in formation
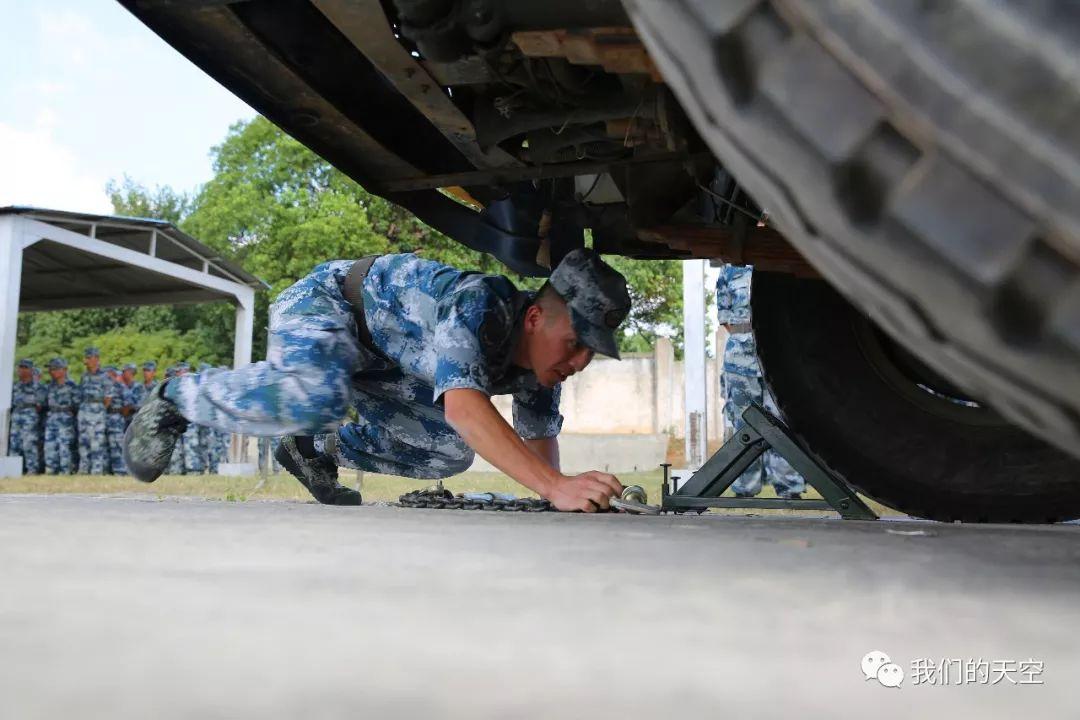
[140,390]
[95,394]
[61,402]
[113,410]
[743,384]
[43,388]
[119,410]
[131,390]
[27,401]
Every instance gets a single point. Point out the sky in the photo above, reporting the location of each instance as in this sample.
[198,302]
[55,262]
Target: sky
[89,94]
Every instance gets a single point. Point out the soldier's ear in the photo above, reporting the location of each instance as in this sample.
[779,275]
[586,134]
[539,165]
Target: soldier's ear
[534,318]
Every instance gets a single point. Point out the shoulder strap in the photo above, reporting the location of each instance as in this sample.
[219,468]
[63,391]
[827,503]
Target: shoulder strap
[352,289]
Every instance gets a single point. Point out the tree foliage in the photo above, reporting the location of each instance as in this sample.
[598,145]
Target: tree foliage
[277,209]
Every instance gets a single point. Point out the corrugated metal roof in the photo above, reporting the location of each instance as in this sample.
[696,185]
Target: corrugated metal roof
[165,228]
[57,276]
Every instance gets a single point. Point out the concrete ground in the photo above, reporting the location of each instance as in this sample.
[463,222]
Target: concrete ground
[143,608]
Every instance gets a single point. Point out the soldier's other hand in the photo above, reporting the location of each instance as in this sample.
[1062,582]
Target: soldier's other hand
[586,492]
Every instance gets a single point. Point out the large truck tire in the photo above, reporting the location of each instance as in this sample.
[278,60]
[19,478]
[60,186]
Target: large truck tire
[892,427]
[923,156]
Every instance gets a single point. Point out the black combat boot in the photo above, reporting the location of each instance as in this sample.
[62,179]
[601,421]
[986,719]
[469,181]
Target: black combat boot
[153,433]
[317,473]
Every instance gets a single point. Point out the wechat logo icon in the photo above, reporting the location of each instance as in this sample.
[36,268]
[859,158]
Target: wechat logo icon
[876,665]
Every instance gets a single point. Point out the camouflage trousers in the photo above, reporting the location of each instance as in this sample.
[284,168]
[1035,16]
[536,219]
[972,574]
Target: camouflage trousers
[194,451]
[93,445]
[315,368]
[59,443]
[739,392]
[25,439]
[114,427]
[213,443]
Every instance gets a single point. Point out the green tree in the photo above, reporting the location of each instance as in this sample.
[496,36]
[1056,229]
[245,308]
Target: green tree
[131,199]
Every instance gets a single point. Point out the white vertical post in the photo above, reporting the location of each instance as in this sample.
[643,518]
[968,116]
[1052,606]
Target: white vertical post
[694,362]
[244,329]
[10,286]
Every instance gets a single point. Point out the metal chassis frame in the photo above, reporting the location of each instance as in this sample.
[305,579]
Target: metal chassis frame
[762,431]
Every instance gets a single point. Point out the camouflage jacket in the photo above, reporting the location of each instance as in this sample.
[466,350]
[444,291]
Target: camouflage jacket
[451,329]
[62,396]
[94,387]
[27,396]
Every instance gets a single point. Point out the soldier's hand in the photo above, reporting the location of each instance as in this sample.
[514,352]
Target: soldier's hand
[587,492]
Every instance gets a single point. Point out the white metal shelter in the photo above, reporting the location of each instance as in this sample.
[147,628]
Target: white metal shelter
[56,260]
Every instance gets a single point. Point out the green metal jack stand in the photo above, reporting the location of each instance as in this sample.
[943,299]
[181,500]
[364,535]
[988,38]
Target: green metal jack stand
[762,431]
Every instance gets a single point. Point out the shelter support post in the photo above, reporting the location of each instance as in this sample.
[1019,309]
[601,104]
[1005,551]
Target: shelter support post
[244,330]
[11,248]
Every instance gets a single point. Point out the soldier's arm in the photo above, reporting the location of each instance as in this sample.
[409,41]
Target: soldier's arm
[547,449]
[480,425]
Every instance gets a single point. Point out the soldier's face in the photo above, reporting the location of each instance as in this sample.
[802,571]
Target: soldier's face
[58,374]
[25,374]
[148,375]
[553,348]
[128,376]
[92,363]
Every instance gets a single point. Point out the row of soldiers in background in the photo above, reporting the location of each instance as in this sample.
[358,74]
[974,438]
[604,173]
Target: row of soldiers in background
[54,422]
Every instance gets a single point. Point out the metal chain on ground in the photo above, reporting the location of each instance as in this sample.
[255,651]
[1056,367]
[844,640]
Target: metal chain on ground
[439,498]
[433,498]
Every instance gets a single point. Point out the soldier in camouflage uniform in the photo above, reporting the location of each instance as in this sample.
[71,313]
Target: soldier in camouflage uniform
[43,388]
[95,394]
[27,402]
[61,403]
[120,409]
[742,384]
[140,390]
[418,348]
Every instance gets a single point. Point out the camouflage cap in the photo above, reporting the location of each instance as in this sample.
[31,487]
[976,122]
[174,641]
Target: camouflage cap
[597,297]
[149,365]
[129,366]
[109,368]
[91,352]
[26,363]
[57,362]
[182,365]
